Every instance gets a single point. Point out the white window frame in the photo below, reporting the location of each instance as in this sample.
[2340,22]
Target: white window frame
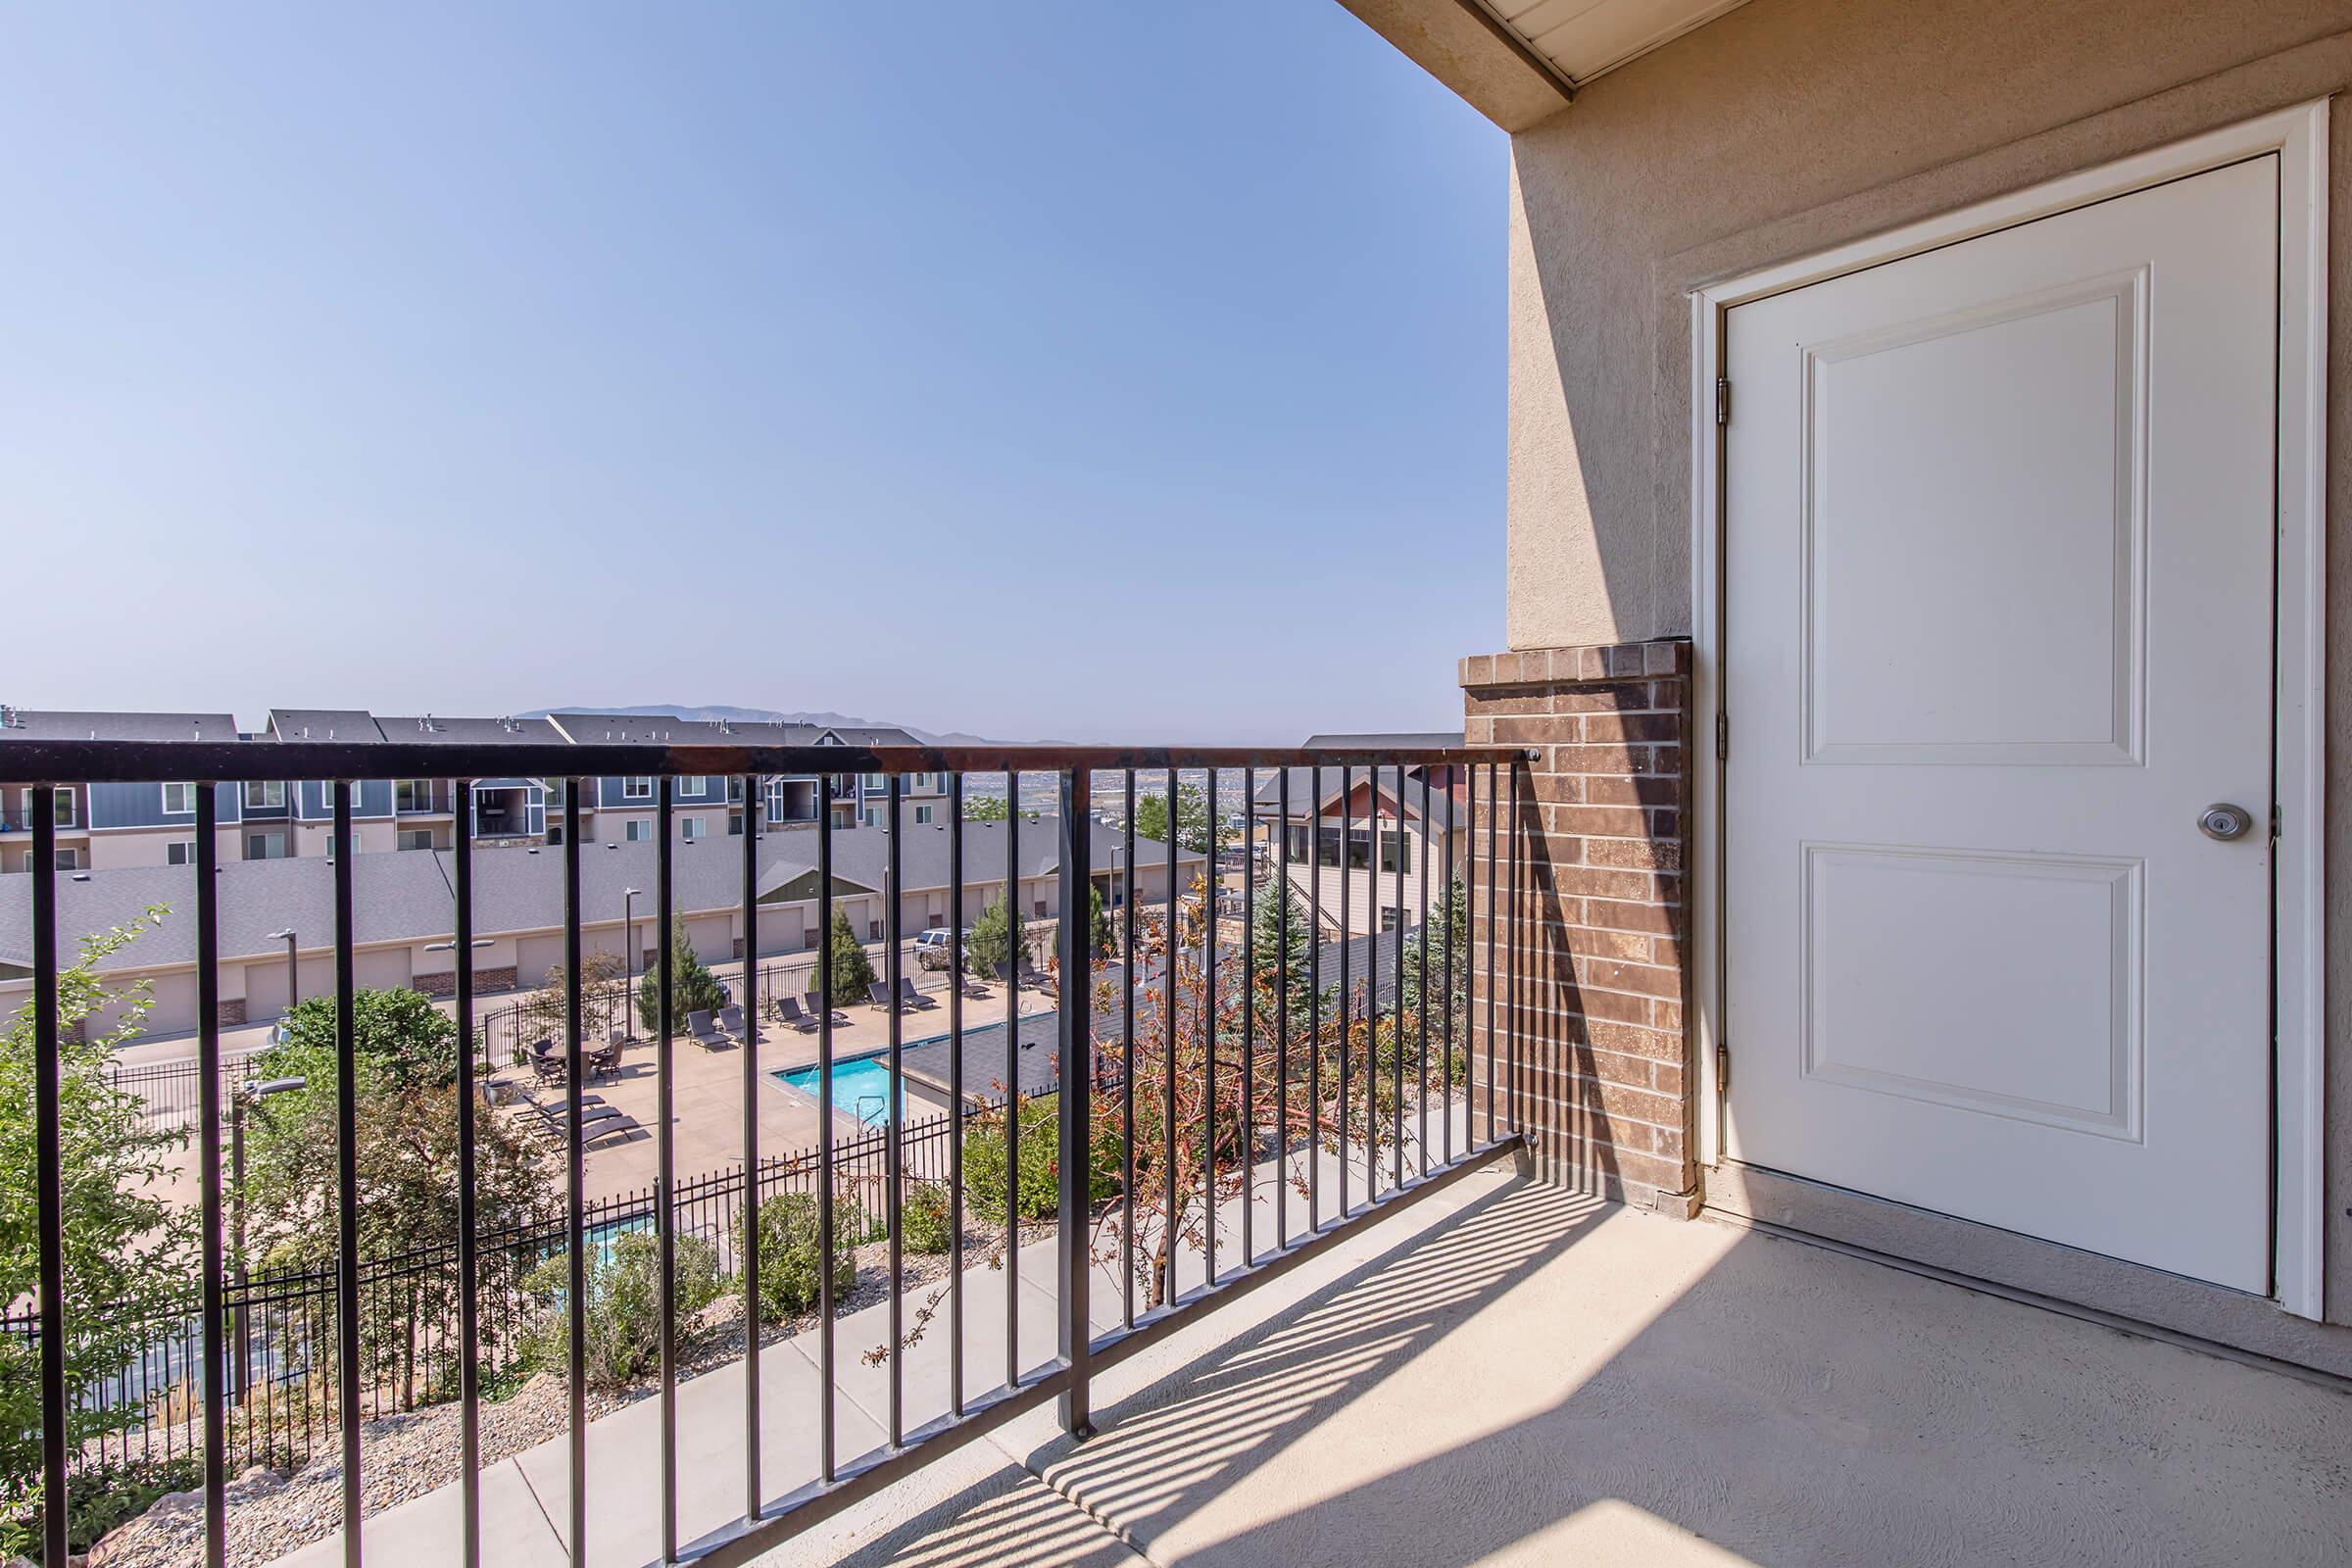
[922,816]
[695,784]
[265,794]
[631,789]
[417,787]
[187,795]
[637,830]
[180,852]
[64,811]
[690,829]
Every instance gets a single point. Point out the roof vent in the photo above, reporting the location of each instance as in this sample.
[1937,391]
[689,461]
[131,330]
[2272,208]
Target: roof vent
[510,724]
[82,876]
[11,718]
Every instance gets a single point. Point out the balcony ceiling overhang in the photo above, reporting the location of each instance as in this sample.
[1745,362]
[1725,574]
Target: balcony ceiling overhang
[1520,61]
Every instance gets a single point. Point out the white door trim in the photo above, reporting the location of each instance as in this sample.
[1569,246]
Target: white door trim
[2299,136]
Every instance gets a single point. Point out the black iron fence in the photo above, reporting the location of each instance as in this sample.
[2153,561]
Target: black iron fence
[279,1371]
[1225,1067]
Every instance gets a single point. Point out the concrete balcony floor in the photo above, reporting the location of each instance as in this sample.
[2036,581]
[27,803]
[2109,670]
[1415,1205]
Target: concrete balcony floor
[1507,1374]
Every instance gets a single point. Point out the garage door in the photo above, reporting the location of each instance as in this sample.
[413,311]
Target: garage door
[1998,552]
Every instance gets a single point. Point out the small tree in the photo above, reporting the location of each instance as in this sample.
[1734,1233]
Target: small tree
[791,1268]
[1280,946]
[986,807]
[693,987]
[990,946]
[1192,818]
[126,1250]
[852,970]
[1457,907]
[624,1306]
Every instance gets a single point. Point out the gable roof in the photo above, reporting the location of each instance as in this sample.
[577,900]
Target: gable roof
[62,724]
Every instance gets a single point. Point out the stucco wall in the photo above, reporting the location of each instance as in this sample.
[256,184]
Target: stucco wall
[1790,125]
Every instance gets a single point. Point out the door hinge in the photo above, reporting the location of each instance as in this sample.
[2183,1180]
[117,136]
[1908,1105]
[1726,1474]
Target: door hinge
[2277,824]
[1722,1067]
[1723,400]
[1723,737]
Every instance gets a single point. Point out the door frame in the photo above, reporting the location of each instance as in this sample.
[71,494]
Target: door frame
[2299,136]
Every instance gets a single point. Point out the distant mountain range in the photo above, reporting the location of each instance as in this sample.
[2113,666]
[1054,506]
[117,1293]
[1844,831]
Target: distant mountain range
[754,715]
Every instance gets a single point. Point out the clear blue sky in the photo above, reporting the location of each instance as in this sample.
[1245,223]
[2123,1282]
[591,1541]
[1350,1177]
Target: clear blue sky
[1091,370]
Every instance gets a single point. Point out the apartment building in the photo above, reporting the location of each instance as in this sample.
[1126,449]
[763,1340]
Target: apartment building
[1349,835]
[108,825]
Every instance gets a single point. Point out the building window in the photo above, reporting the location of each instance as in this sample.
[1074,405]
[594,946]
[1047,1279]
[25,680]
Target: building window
[330,844]
[873,816]
[413,794]
[873,781]
[776,799]
[180,852]
[694,784]
[690,828]
[637,789]
[415,837]
[178,801]
[1395,850]
[65,807]
[265,795]
[266,846]
[69,859]
[734,824]
[639,830]
[922,816]
[1389,917]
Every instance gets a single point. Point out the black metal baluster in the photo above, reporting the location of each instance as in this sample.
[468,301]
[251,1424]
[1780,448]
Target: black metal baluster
[955,1102]
[1513,1020]
[1469,1131]
[1347,1046]
[1396,997]
[470,1327]
[1282,1022]
[576,1177]
[1249,1010]
[1209,1033]
[892,976]
[1127,908]
[1168,1145]
[1421,954]
[208,1147]
[824,1126]
[1494,913]
[1314,1006]
[665,1222]
[48,1175]
[751,792]
[346,1177]
[1073,1270]
[1017,948]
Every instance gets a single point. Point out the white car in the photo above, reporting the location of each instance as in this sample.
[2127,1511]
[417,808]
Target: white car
[931,949]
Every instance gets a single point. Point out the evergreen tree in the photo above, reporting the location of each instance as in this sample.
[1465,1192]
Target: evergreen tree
[989,945]
[852,970]
[1271,945]
[693,987]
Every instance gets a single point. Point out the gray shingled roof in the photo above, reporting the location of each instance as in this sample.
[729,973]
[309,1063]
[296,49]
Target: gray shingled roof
[431,729]
[408,896]
[345,724]
[57,724]
[665,730]
[1267,797]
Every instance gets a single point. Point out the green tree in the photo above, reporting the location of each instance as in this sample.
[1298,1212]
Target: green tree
[791,1267]
[693,987]
[852,970]
[404,1147]
[1271,944]
[126,1250]
[989,945]
[624,1306]
[1192,818]
[986,807]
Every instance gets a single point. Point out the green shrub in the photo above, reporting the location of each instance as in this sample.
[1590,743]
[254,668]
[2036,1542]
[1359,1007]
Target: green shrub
[923,1219]
[624,1306]
[1038,1193]
[791,1265]
[101,1497]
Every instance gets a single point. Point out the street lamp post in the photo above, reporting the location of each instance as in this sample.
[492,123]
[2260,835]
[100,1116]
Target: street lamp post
[293,974]
[628,961]
[452,947]
[250,1093]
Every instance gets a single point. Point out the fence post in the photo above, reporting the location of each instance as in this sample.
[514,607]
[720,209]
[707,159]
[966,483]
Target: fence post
[1077,1075]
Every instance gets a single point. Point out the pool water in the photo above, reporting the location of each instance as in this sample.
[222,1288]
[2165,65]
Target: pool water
[860,1087]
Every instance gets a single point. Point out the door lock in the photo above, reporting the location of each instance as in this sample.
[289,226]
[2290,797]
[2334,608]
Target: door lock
[2224,822]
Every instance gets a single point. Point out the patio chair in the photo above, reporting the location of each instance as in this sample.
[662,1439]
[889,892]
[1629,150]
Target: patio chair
[547,1065]
[908,997]
[732,1020]
[878,995]
[810,1004]
[788,1011]
[601,1063]
[704,1032]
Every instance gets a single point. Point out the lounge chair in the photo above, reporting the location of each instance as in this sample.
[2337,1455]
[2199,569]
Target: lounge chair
[908,997]
[788,1011]
[550,1125]
[706,1033]
[879,995]
[731,1020]
[810,1005]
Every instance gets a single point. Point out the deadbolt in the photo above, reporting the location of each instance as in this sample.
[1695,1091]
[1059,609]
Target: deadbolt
[2225,822]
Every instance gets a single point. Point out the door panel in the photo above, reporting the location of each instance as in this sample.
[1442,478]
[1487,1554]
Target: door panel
[1998,554]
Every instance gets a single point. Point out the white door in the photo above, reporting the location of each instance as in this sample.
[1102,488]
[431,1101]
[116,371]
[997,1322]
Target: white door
[1999,551]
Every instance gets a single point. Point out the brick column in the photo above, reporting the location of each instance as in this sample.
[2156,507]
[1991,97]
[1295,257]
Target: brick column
[1596,1007]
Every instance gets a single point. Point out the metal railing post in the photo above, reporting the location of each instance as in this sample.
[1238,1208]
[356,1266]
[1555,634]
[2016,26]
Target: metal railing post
[1072,1258]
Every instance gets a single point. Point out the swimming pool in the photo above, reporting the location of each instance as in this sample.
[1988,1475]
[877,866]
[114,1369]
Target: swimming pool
[860,1087]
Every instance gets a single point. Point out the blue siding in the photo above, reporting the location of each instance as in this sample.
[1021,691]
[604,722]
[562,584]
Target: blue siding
[142,805]
[369,798]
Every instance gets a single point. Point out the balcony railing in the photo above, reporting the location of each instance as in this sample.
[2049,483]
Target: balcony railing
[1283,1086]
